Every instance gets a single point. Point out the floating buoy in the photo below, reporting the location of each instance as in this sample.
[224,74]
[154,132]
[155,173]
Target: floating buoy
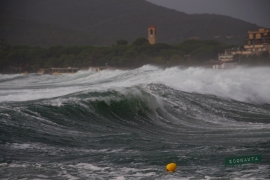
[171,167]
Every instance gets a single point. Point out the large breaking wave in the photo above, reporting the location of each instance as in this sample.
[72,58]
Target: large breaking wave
[241,84]
[129,124]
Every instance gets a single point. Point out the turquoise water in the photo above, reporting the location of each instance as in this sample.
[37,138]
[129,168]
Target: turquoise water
[131,124]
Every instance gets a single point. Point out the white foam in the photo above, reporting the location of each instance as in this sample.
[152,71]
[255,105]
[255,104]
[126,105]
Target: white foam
[112,171]
[87,166]
[241,84]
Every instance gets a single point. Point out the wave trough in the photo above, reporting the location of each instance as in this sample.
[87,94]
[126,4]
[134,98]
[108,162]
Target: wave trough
[130,124]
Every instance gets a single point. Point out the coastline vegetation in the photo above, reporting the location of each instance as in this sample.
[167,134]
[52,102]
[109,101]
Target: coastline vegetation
[14,59]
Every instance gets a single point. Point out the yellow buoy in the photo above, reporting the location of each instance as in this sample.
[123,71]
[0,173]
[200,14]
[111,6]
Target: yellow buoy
[171,167]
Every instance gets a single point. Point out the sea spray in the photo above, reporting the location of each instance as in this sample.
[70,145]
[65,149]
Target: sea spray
[130,124]
[241,84]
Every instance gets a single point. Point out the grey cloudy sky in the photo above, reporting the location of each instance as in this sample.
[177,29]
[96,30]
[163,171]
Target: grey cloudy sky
[254,11]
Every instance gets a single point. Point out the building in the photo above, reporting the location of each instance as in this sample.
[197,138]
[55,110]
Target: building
[226,65]
[258,42]
[152,34]
[226,56]
[262,36]
[257,49]
[225,60]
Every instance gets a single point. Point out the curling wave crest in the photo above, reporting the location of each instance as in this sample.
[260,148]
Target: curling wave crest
[250,85]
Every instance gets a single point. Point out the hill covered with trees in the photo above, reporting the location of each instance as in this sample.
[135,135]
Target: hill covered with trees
[18,59]
[102,22]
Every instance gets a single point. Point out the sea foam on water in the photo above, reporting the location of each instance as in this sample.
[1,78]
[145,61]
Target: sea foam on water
[250,85]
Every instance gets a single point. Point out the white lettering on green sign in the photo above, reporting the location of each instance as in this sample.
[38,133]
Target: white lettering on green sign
[243,160]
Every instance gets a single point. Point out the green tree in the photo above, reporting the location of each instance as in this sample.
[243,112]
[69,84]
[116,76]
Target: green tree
[140,41]
[56,51]
[122,42]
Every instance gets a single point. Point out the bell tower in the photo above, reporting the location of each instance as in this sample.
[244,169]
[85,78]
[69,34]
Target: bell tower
[152,34]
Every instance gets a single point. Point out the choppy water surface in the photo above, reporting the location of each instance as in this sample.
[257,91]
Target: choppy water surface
[130,124]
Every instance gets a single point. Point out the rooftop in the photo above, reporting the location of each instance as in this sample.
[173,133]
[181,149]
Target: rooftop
[152,27]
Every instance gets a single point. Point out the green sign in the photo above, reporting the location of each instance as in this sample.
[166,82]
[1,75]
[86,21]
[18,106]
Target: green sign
[243,160]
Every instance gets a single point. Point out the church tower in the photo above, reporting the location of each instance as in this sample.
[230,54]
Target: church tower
[152,34]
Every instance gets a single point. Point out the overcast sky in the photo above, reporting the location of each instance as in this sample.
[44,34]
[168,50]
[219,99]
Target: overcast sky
[254,11]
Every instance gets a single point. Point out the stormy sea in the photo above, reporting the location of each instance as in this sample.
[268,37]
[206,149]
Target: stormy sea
[122,125]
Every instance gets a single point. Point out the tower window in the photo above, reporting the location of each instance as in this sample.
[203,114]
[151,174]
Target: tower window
[151,31]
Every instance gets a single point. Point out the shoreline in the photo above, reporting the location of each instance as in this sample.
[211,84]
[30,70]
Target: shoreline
[113,68]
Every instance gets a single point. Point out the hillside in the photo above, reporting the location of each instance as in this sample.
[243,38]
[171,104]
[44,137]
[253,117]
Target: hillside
[102,22]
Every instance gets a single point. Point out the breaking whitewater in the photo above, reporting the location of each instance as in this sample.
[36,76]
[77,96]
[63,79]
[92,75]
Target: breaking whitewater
[131,124]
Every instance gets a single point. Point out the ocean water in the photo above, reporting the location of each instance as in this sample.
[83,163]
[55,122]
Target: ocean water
[123,125]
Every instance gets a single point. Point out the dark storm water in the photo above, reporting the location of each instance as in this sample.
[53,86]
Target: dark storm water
[130,124]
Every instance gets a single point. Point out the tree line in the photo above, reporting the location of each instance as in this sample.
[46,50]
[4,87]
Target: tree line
[122,54]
